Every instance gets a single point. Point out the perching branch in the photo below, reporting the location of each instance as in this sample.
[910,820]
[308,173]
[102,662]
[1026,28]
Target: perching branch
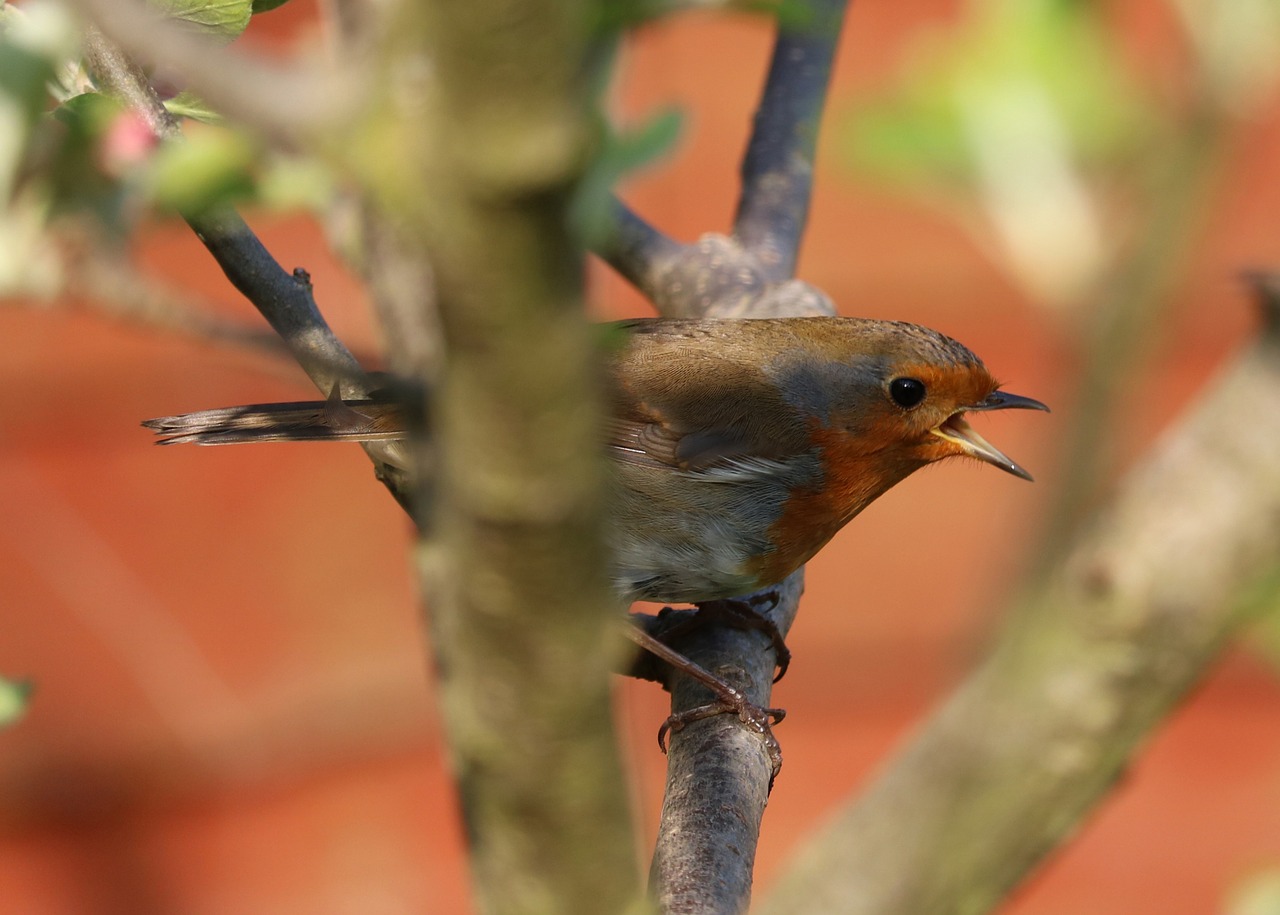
[1128,620]
[718,774]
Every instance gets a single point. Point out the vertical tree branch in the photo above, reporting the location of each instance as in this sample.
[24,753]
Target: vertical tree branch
[524,620]
[777,171]
[717,776]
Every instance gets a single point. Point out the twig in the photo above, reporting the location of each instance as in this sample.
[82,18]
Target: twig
[105,284]
[284,299]
[1123,626]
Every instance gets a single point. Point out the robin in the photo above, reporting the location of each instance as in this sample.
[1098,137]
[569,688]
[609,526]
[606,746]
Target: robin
[739,447]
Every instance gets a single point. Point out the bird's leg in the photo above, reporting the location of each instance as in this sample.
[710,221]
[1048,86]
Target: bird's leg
[737,613]
[728,699]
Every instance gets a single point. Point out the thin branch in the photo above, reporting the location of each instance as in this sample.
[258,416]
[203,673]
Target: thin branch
[105,284]
[284,299]
[640,253]
[777,171]
[1098,652]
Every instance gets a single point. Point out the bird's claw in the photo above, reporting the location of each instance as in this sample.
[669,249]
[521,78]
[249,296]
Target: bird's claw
[756,718]
[749,614]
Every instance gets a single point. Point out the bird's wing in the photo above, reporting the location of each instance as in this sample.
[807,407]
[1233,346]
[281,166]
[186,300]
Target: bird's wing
[684,397]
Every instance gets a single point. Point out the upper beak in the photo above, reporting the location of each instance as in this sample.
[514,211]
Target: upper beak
[1003,400]
[956,430]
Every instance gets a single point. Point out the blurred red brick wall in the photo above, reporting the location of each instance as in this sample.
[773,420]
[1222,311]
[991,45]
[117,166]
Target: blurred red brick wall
[233,710]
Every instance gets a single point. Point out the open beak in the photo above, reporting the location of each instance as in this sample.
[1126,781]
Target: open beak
[957,431]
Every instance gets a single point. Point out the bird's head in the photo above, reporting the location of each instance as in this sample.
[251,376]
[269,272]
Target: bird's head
[926,384]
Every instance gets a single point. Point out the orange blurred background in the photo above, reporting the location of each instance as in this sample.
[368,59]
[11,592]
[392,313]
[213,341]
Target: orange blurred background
[233,709]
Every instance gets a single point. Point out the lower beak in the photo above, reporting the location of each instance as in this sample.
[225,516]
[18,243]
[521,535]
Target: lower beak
[959,432]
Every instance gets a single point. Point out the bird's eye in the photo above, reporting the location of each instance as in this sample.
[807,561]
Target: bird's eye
[907,392]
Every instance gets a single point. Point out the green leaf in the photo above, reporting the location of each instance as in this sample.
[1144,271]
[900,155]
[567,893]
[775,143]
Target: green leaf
[222,19]
[88,113]
[266,6]
[656,137]
[188,105]
[591,210]
[23,75]
[15,696]
[289,183]
[211,167]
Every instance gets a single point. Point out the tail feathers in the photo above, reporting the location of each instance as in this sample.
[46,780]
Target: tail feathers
[302,421]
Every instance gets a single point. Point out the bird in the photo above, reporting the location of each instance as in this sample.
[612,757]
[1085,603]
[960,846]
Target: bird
[738,447]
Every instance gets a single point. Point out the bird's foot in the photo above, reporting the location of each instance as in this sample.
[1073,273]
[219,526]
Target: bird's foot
[727,700]
[758,719]
[736,613]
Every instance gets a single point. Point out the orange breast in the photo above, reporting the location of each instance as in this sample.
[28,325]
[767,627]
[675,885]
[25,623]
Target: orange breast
[856,471]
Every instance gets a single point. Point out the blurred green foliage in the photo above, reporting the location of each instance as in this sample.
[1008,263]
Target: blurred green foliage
[222,19]
[620,152]
[67,151]
[1259,894]
[1005,55]
[15,696]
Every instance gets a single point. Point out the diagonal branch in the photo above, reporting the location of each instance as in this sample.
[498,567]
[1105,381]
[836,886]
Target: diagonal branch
[640,253]
[284,299]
